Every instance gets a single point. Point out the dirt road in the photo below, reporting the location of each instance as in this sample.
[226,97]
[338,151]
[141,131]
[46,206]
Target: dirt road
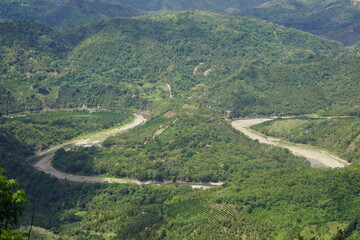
[317,158]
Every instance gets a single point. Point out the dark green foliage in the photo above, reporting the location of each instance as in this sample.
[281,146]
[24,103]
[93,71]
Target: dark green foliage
[334,19]
[29,54]
[221,6]
[63,13]
[79,161]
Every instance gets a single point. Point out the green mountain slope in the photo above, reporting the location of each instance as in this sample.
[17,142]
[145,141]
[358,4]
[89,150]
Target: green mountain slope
[328,85]
[220,6]
[128,62]
[63,13]
[338,135]
[30,53]
[186,50]
[333,19]
[77,12]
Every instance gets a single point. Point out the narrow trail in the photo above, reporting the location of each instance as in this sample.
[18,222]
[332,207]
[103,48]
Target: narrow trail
[169,87]
[317,158]
[44,164]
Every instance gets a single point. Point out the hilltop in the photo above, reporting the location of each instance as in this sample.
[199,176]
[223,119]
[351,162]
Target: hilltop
[333,19]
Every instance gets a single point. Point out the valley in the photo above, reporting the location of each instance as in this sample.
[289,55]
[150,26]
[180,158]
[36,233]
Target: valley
[207,160]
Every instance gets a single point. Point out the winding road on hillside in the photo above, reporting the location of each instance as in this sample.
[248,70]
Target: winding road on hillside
[44,164]
[317,158]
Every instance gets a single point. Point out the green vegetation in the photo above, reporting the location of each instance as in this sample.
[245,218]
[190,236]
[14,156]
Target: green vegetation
[185,143]
[63,13]
[41,130]
[11,205]
[127,62]
[291,88]
[277,204]
[334,19]
[267,193]
[214,64]
[338,135]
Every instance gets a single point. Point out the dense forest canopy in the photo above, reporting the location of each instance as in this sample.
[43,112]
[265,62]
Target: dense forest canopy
[133,59]
[191,72]
[333,19]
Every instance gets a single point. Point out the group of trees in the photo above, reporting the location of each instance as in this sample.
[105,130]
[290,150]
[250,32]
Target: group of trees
[184,143]
[333,19]
[338,135]
[42,130]
[11,205]
[127,62]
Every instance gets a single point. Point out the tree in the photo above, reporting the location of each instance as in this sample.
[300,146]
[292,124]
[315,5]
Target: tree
[11,205]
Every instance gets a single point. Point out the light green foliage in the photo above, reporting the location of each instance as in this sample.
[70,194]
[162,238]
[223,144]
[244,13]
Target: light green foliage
[338,135]
[42,130]
[184,142]
[295,87]
[11,205]
[127,62]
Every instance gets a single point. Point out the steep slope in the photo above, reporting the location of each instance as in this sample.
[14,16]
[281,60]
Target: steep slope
[77,12]
[333,19]
[338,135]
[29,53]
[329,85]
[127,62]
[63,13]
[222,6]
[26,10]
[185,50]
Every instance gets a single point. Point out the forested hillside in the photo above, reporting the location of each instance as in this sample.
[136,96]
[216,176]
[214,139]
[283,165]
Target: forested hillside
[332,19]
[328,85]
[63,13]
[185,143]
[267,193]
[191,72]
[133,59]
[30,54]
[219,6]
[338,135]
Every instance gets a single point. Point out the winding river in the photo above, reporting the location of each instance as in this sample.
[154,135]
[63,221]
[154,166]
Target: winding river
[320,159]
[44,164]
[317,158]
